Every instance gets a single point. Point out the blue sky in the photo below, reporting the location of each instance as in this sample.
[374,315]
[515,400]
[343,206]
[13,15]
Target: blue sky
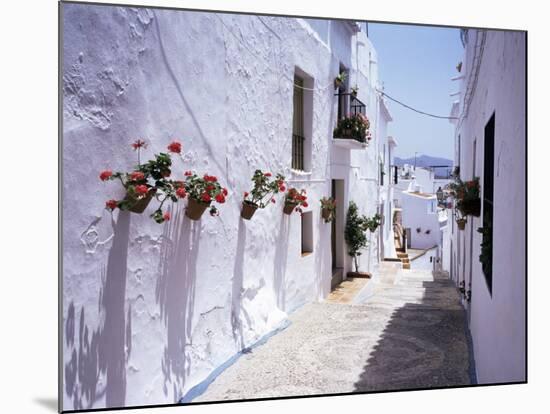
[416,64]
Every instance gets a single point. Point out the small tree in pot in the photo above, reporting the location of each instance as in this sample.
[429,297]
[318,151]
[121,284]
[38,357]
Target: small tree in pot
[356,238]
[262,193]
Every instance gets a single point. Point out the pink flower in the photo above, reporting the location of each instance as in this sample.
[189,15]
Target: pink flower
[166,216]
[137,176]
[282,188]
[175,146]
[180,192]
[111,204]
[105,175]
[141,189]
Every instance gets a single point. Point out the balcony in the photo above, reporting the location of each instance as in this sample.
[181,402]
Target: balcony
[352,130]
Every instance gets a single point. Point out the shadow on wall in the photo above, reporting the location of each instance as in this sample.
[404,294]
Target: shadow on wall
[106,350]
[237,290]
[321,257]
[280,263]
[423,345]
[175,294]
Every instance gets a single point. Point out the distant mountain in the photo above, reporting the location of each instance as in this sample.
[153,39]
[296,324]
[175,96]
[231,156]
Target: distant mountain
[428,161]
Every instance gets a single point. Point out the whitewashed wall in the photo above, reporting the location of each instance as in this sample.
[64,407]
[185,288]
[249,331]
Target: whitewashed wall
[150,310]
[416,214]
[497,322]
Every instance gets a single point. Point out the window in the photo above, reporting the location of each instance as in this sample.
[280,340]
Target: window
[488,182]
[302,120]
[307,233]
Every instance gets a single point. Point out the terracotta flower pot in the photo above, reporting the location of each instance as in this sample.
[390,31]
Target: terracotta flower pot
[195,209]
[471,207]
[289,208]
[138,205]
[461,224]
[326,213]
[248,210]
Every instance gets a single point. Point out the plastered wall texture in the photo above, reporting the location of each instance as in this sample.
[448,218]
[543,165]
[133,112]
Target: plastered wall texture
[151,310]
[497,322]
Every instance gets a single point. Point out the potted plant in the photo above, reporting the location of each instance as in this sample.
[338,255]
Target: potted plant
[354,90]
[373,222]
[328,209]
[339,80]
[354,126]
[262,193]
[146,181]
[294,200]
[466,194]
[461,222]
[355,236]
[202,191]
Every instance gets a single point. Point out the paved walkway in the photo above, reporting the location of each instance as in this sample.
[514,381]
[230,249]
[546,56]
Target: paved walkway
[410,333]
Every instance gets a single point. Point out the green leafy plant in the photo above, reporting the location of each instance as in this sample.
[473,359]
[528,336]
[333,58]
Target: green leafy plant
[486,256]
[328,207]
[354,90]
[264,189]
[146,181]
[467,195]
[340,79]
[372,223]
[355,233]
[354,126]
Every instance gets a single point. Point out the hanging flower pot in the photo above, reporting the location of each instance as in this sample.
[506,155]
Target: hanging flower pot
[248,210]
[326,213]
[471,207]
[461,223]
[289,208]
[195,209]
[138,205]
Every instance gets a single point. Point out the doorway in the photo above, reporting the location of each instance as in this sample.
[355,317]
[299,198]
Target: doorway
[337,233]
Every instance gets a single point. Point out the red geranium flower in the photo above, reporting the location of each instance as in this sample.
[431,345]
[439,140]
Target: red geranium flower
[282,188]
[267,174]
[166,216]
[273,200]
[137,176]
[209,187]
[105,175]
[220,198]
[141,189]
[188,173]
[206,197]
[111,204]
[245,194]
[180,192]
[174,146]
[224,191]
[139,144]
[305,204]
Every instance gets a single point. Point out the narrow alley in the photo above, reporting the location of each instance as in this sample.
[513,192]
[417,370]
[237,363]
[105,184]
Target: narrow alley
[409,333]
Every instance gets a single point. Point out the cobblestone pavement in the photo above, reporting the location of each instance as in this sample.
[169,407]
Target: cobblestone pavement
[409,333]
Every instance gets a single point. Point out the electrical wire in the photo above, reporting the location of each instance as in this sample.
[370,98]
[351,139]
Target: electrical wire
[414,109]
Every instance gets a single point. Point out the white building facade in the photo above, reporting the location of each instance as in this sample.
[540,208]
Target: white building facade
[490,144]
[151,311]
